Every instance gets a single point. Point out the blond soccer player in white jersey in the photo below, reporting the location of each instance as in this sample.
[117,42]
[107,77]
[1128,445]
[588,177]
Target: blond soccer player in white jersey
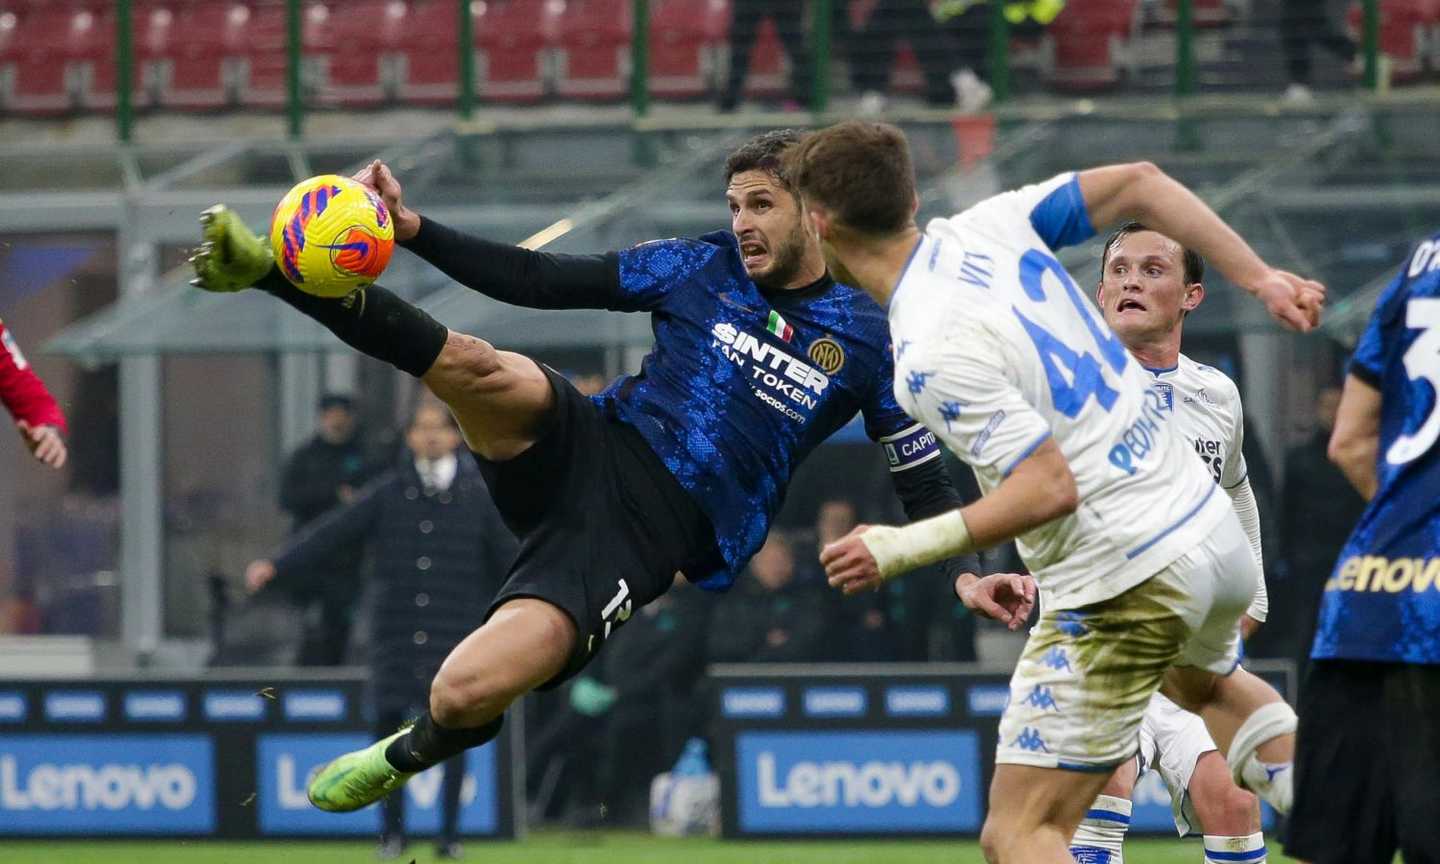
[1148,286]
[1143,569]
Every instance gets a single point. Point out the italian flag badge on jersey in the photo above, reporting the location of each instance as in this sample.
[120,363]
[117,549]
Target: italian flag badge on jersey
[779,326]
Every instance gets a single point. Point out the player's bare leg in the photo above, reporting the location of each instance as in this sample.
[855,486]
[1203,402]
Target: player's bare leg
[1250,723]
[1034,812]
[1101,833]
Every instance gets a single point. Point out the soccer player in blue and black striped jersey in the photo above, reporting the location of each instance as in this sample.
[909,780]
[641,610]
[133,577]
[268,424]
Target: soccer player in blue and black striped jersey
[759,356]
[1367,763]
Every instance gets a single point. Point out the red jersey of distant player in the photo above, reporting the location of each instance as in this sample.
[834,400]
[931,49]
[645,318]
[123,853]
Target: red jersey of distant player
[25,396]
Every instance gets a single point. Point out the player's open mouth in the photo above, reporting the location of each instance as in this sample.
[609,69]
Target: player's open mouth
[1128,304]
[752,254]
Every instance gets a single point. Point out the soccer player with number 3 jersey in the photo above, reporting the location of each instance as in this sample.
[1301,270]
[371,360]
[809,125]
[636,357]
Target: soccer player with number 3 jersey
[1144,571]
[1368,754]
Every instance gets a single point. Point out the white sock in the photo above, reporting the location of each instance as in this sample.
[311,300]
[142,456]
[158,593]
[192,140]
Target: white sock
[1235,850]
[1272,781]
[1102,832]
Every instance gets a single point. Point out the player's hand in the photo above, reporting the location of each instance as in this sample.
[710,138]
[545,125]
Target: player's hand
[259,574]
[1295,302]
[1006,597]
[849,565]
[377,176]
[230,257]
[44,442]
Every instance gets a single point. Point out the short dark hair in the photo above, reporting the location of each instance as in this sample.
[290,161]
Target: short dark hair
[1194,264]
[860,171]
[337,400]
[763,153]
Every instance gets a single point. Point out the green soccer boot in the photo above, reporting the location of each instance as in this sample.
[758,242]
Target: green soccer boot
[357,779]
[230,258]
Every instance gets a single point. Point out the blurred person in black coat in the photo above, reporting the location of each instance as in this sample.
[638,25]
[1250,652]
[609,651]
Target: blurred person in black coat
[770,616]
[1319,508]
[439,552]
[320,475]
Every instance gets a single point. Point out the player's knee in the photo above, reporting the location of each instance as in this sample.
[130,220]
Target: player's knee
[992,841]
[464,699]
[468,368]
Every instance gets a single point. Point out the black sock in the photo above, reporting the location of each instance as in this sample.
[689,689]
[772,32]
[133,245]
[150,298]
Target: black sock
[427,743]
[371,320]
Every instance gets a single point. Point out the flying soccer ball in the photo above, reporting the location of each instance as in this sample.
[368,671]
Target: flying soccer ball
[331,235]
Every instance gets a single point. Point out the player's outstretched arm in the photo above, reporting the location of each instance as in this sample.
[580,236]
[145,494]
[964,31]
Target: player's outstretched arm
[510,274]
[1142,191]
[1039,489]
[1355,443]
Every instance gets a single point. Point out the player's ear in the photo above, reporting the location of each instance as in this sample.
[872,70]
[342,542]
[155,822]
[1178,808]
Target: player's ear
[1194,296]
[819,220]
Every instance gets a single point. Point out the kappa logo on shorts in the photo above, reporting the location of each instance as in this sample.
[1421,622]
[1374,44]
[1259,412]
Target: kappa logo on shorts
[1029,739]
[1056,659]
[827,354]
[1042,698]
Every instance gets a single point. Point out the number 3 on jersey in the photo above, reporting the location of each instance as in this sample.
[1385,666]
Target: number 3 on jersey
[1422,362]
[1086,376]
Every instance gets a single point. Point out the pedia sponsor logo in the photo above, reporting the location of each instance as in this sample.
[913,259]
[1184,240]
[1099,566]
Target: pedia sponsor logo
[858,782]
[988,700]
[75,706]
[753,702]
[115,784]
[155,706]
[230,705]
[14,707]
[1375,573]
[917,701]
[286,764]
[314,705]
[835,701]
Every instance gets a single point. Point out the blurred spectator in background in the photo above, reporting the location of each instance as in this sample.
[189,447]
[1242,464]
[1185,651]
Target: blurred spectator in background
[37,416]
[1318,509]
[1304,23]
[769,616]
[951,41]
[439,552]
[863,629]
[789,18]
[319,476]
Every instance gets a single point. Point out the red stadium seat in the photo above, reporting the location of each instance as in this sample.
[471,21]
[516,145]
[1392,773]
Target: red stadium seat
[190,66]
[36,59]
[429,54]
[255,36]
[593,56]
[515,39]
[93,58]
[1407,29]
[1088,41]
[1205,13]
[360,37]
[685,41]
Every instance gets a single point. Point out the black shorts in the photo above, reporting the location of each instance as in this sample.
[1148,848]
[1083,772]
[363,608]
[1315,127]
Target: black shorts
[603,525]
[1367,764]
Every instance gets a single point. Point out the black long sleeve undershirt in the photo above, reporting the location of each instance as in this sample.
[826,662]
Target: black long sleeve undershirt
[926,490]
[510,274]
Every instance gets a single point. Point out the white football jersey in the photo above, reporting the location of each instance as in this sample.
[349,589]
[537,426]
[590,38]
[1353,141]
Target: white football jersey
[997,350]
[1208,414]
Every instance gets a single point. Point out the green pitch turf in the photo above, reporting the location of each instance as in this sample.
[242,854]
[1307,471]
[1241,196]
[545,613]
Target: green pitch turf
[563,848]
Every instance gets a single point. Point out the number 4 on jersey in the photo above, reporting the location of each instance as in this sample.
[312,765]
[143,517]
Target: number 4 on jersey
[1086,376]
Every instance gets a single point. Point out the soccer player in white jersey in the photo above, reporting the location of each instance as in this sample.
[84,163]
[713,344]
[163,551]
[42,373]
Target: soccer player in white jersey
[1143,569]
[1148,285]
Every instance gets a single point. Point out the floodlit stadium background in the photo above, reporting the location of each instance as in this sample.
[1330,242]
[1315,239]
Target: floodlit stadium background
[122,573]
